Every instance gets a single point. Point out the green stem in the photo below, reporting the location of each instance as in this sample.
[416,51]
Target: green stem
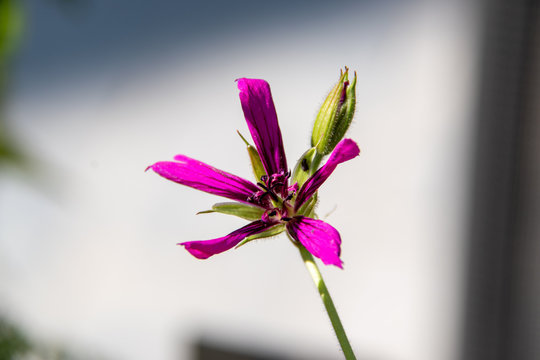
[327,301]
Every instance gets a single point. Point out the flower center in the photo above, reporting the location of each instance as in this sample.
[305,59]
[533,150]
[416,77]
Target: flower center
[274,216]
[276,184]
[275,195]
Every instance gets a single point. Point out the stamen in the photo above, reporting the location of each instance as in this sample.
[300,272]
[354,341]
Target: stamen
[271,194]
[274,196]
[262,186]
[276,184]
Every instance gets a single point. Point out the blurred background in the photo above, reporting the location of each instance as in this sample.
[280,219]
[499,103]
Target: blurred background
[438,215]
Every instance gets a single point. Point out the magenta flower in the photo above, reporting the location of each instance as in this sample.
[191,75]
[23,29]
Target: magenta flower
[280,205]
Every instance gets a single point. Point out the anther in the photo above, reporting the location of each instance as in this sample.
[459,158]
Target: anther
[305,165]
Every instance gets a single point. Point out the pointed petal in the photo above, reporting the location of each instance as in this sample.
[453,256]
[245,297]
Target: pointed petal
[344,151]
[205,248]
[261,118]
[201,176]
[318,237]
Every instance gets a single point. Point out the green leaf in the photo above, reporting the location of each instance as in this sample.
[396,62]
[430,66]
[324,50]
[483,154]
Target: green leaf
[244,211]
[273,231]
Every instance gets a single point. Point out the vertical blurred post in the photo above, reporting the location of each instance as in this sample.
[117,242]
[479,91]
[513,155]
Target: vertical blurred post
[502,315]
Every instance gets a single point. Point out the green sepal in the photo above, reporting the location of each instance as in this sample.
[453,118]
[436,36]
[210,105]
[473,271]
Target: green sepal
[303,168]
[273,231]
[256,164]
[335,115]
[244,211]
[308,208]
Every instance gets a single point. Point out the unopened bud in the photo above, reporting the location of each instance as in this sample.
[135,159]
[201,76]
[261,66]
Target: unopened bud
[335,115]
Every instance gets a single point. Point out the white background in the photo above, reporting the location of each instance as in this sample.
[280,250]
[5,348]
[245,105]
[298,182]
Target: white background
[87,239]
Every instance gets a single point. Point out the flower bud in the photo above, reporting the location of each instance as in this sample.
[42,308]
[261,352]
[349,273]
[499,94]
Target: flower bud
[335,115]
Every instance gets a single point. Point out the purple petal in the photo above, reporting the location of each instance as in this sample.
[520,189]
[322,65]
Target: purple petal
[345,150]
[318,237]
[198,175]
[261,118]
[205,248]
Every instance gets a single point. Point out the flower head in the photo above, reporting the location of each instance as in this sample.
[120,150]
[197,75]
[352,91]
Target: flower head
[272,203]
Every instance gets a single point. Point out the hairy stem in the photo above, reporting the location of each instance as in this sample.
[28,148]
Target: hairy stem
[327,301]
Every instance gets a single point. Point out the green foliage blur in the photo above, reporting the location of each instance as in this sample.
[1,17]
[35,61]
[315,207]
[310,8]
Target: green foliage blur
[11,25]
[13,344]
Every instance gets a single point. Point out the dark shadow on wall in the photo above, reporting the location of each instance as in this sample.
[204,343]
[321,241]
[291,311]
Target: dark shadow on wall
[208,351]
[205,349]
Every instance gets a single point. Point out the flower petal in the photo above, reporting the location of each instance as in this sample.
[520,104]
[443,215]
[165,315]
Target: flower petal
[345,150]
[203,249]
[318,237]
[201,176]
[262,121]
